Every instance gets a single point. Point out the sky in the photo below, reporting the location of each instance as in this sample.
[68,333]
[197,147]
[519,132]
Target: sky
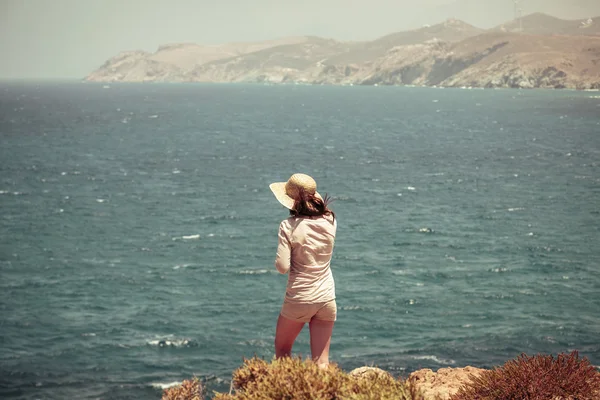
[67,39]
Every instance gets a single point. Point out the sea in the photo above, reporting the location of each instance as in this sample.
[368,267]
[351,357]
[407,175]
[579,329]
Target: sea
[138,232]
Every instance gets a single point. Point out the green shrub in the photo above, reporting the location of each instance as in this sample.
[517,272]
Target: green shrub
[294,378]
[188,390]
[538,377]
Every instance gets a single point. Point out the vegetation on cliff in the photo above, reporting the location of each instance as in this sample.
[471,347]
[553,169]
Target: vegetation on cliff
[540,377]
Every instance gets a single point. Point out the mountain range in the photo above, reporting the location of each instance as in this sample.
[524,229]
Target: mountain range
[537,50]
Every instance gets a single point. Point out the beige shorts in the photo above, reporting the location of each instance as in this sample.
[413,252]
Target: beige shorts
[306,312]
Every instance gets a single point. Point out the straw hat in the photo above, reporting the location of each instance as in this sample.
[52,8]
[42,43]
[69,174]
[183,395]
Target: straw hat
[288,192]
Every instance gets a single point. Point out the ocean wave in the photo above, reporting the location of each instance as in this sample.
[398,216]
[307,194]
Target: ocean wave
[163,386]
[187,237]
[253,271]
[9,192]
[178,266]
[434,359]
[218,217]
[172,342]
[401,272]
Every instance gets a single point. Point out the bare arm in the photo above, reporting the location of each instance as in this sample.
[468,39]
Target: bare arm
[284,252]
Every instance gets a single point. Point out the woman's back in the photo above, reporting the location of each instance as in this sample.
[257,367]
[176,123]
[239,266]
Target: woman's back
[311,240]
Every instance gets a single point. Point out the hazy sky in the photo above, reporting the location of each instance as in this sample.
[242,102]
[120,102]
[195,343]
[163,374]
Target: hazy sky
[70,38]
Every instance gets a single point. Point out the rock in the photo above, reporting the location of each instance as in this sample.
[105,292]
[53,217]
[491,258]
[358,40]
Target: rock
[366,372]
[444,383]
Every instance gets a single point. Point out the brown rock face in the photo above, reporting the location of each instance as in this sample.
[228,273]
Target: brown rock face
[547,53]
[444,383]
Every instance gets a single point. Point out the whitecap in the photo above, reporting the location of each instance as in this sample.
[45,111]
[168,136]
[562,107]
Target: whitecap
[253,272]
[101,200]
[178,266]
[4,192]
[411,188]
[176,171]
[153,116]
[163,386]
[399,272]
[516,209]
[172,343]
[190,237]
[434,358]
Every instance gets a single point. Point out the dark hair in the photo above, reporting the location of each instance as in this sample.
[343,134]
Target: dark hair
[309,205]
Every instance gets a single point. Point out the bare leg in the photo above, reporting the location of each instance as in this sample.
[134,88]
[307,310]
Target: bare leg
[285,335]
[320,339]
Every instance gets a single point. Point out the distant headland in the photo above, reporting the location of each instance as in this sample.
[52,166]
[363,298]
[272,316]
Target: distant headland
[535,51]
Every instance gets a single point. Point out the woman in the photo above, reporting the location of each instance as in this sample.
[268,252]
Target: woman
[305,247]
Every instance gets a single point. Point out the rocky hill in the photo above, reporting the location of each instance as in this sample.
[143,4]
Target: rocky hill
[543,24]
[538,51]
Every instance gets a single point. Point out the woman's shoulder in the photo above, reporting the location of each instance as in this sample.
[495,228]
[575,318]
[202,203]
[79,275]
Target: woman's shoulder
[312,220]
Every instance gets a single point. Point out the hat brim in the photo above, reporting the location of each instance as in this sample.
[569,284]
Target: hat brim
[278,189]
